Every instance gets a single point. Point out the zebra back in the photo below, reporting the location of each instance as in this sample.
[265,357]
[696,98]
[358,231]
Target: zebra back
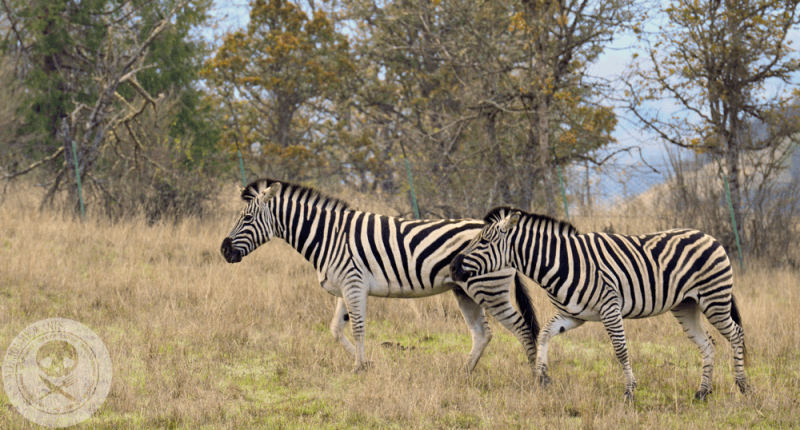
[298,193]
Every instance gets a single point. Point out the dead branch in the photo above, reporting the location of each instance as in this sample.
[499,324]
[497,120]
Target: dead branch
[9,176]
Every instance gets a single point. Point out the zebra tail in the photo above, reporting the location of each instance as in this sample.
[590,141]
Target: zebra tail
[737,318]
[526,306]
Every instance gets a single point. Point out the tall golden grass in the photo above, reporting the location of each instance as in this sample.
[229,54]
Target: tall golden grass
[199,343]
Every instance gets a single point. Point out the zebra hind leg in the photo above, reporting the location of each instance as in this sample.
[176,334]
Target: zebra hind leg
[478,327]
[728,321]
[688,315]
[493,292]
[612,320]
[338,324]
[355,298]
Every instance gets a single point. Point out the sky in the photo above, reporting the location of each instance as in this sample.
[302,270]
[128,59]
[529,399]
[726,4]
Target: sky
[231,14]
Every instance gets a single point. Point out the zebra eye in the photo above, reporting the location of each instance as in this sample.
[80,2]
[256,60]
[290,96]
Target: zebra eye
[247,218]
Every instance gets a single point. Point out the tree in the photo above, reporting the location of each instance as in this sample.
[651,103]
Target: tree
[484,92]
[279,80]
[82,63]
[717,61]
[410,93]
[564,37]
[173,65]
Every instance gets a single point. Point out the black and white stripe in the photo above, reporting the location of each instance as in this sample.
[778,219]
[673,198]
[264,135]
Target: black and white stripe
[608,277]
[357,254]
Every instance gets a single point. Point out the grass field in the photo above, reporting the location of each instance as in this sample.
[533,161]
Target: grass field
[199,343]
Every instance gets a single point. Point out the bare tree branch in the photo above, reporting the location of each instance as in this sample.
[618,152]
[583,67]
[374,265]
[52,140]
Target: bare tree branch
[34,165]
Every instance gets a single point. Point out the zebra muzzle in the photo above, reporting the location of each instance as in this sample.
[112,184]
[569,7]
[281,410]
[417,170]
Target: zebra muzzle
[231,254]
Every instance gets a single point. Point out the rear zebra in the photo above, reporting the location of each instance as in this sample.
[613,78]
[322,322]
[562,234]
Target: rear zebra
[357,254]
[608,277]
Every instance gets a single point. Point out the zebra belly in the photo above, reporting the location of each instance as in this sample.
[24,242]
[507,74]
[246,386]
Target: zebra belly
[406,292]
[391,291]
[638,314]
[592,314]
[588,312]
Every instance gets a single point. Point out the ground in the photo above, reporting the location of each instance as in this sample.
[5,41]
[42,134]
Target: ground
[199,343]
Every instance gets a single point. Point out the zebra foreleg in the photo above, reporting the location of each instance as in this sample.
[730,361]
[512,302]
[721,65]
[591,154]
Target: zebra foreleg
[557,325]
[612,320]
[688,315]
[492,292]
[340,319]
[478,327]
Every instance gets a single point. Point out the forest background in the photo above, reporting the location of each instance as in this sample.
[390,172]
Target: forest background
[441,109]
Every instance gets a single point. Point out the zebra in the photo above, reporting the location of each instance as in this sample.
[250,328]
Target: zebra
[608,277]
[358,254]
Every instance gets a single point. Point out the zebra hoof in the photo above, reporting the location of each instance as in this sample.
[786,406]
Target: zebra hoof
[467,369]
[701,394]
[363,367]
[629,397]
[544,381]
[744,387]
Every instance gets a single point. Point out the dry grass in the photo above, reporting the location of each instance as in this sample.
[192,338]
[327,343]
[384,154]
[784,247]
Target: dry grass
[198,343]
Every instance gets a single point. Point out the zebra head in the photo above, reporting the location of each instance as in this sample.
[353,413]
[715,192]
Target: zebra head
[256,224]
[489,251]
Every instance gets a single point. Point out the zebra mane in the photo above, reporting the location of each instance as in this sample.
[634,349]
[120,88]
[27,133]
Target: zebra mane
[299,193]
[500,212]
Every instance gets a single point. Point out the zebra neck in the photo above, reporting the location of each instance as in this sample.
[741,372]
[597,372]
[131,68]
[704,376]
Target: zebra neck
[306,227]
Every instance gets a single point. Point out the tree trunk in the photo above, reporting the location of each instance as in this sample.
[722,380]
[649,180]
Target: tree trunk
[543,131]
[587,203]
[71,167]
[732,154]
[283,123]
[503,195]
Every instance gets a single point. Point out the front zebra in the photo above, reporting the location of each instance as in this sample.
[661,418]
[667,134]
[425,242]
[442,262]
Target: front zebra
[608,277]
[357,254]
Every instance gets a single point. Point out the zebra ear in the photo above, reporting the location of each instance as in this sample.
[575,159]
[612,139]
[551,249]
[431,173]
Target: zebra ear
[240,189]
[510,221]
[267,195]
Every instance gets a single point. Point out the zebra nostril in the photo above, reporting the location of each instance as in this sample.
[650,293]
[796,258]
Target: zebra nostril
[226,245]
[231,254]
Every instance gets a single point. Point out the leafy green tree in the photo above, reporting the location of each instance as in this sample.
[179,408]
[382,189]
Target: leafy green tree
[53,38]
[93,69]
[174,64]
